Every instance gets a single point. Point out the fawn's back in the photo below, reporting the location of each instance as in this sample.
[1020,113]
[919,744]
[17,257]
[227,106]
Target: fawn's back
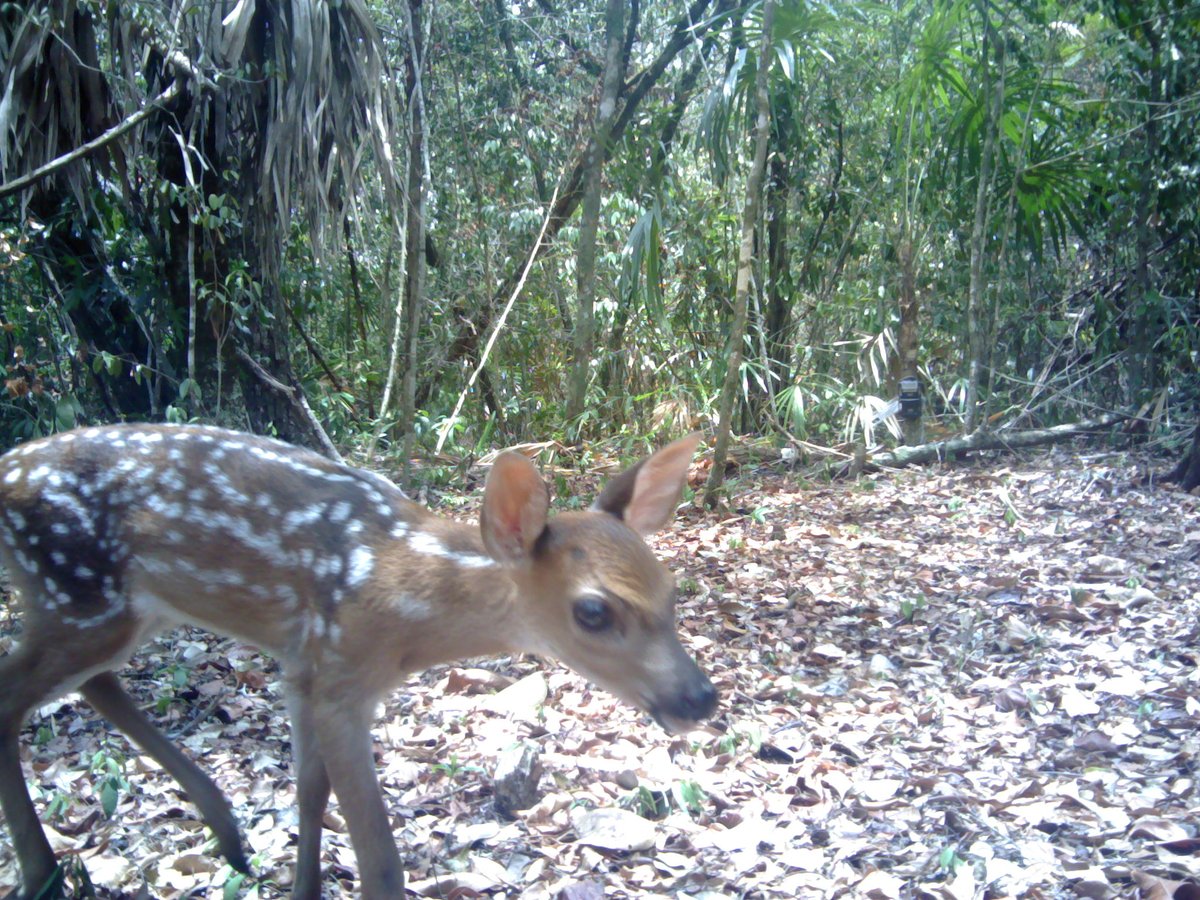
[216,528]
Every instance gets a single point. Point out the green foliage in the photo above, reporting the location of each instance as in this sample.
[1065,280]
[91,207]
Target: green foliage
[910,607]
[949,861]
[878,123]
[689,796]
[231,882]
[453,770]
[178,676]
[107,769]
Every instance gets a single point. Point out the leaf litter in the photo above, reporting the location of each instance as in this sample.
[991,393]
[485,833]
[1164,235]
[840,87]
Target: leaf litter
[970,682]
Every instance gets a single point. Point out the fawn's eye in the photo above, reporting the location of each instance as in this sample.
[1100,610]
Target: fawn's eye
[593,614]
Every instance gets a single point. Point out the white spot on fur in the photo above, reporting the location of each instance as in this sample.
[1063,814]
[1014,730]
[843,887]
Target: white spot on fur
[288,595]
[362,563]
[13,476]
[116,606]
[412,607]
[427,544]
[69,504]
[266,542]
[171,480]
[25,562]
[299,518]
[165,508]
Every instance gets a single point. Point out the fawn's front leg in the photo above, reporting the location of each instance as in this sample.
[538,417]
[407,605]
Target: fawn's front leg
[342,726]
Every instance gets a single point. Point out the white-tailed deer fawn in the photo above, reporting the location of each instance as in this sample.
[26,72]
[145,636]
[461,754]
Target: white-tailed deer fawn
[113,534]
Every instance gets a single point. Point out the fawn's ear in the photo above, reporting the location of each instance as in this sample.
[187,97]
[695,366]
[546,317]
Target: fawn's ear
[515,504]
[645,495]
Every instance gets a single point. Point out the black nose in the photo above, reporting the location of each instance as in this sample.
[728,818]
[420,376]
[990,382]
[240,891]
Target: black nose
[697,701]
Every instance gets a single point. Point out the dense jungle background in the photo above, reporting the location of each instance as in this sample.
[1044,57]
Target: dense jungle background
[424,227]
[838,238]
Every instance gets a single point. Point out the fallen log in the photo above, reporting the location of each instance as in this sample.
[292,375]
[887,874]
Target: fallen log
[987,440]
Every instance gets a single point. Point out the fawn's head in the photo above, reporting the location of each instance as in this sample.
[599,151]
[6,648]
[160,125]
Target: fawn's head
[590,591]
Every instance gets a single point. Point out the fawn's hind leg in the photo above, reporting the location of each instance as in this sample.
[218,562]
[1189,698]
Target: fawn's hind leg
[106,695]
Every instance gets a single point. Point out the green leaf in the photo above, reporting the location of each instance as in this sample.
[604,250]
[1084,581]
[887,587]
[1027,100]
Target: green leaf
[109,794]
[233,886]
[66,409]
[189,388]
[787,58]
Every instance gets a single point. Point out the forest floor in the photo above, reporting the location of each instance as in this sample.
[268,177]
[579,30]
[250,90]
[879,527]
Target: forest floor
[972,681]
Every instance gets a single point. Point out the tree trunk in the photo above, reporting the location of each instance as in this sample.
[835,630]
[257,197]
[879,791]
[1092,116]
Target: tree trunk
[976,325]
[593,164]
[275,402]
[414,251]
[778,312]
[1142,308]
[908,336]
[733,355]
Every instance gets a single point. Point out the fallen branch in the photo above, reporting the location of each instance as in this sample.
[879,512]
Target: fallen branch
[296,397]
[24,181]
[183,66]
[989,440]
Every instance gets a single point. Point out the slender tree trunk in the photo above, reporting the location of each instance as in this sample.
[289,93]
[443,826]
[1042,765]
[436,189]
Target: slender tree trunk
[733,355]
[269,386]
[597,151]
[414,251]
[908,336]
[1142,308]
[977,329]
[778,302]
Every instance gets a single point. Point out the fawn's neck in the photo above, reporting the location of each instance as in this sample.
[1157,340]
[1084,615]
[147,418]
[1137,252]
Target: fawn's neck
[451,600]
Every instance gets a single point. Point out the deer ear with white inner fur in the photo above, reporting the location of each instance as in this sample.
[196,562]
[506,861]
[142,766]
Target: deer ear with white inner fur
[515,505]
[645,495]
